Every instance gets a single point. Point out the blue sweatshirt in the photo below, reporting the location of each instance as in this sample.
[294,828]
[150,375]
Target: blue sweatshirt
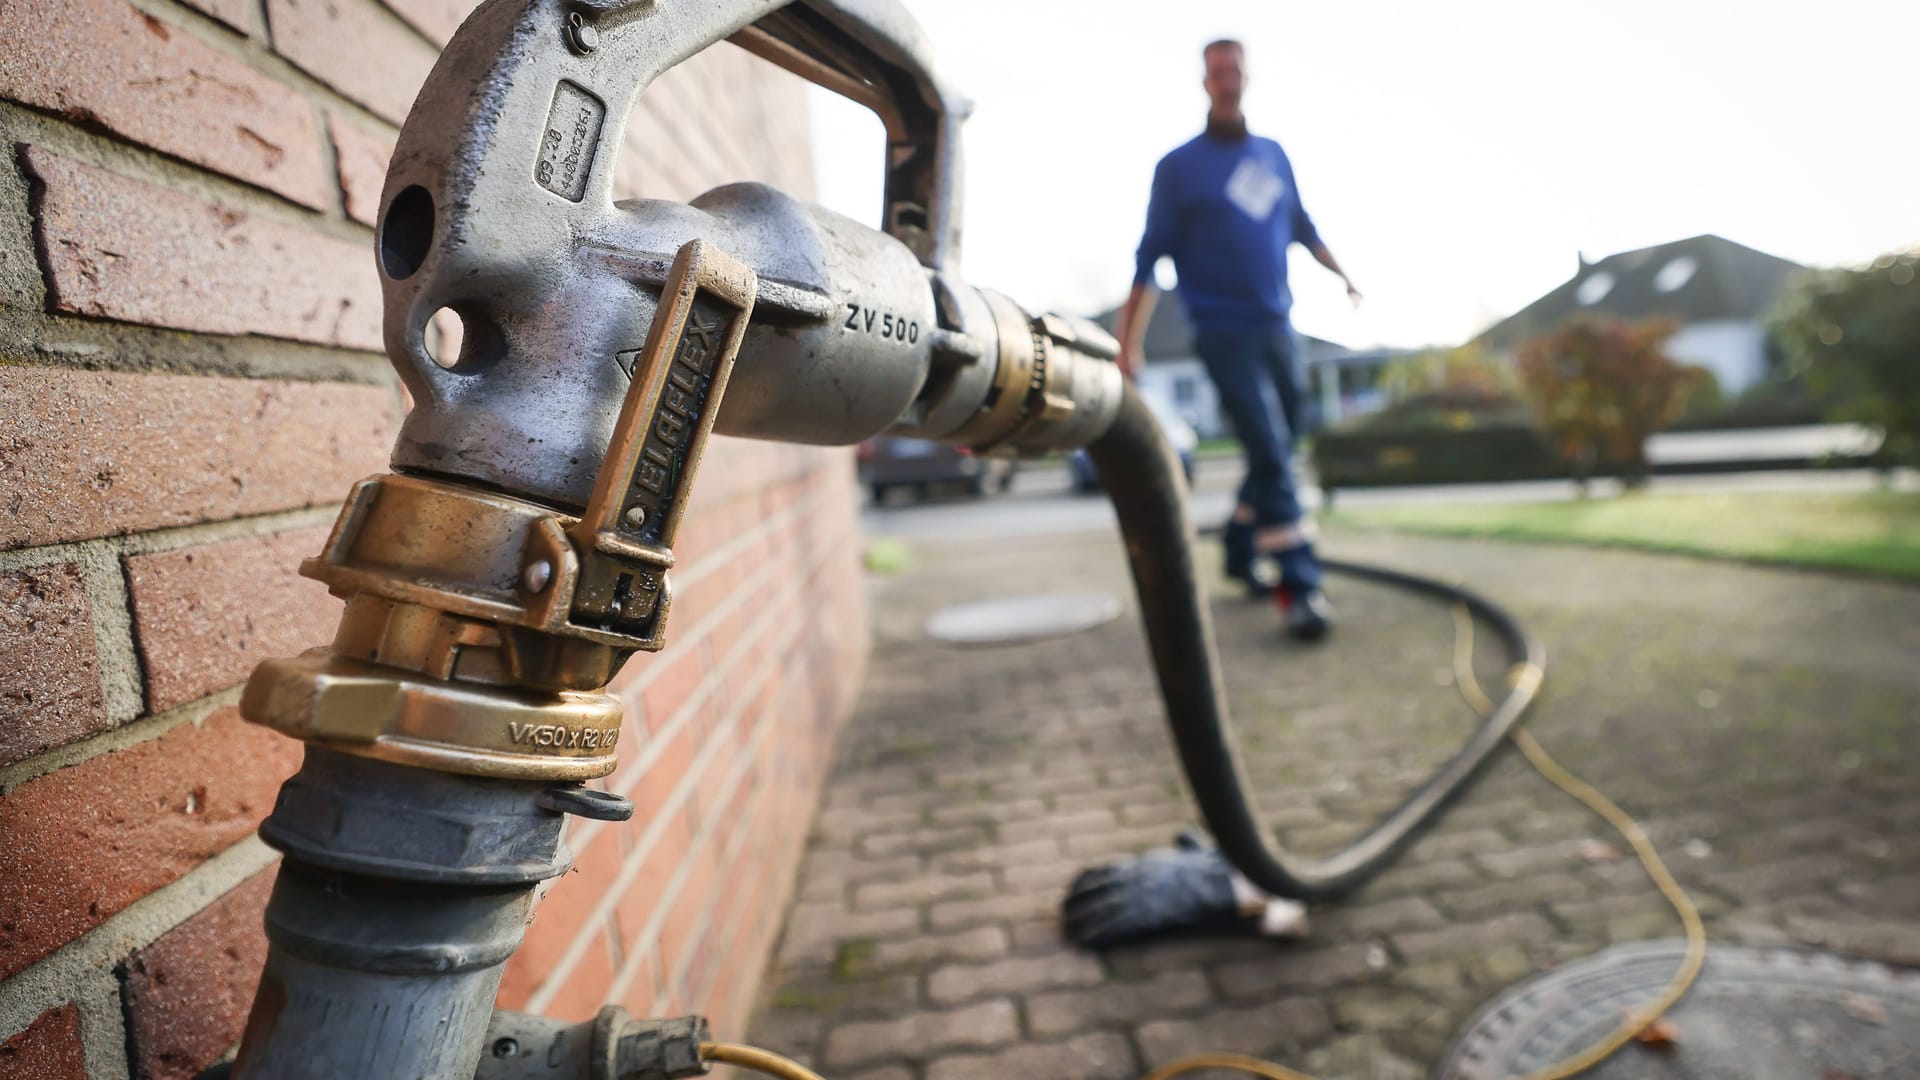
[1226,210]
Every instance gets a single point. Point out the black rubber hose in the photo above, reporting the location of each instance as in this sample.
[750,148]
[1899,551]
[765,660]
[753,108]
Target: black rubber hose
[1143,477]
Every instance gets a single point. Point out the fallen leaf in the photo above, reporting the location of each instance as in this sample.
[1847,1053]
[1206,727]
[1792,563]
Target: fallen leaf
[1867,1010]
[1596,851]
[1660,1034]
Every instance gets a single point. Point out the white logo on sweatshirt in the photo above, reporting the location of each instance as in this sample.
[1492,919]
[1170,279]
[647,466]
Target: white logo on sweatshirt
[1255,188]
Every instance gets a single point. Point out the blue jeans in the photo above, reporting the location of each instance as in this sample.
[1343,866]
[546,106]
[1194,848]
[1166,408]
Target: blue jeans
[1252,367]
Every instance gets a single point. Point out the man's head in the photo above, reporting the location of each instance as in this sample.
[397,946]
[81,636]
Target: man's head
[1226,76]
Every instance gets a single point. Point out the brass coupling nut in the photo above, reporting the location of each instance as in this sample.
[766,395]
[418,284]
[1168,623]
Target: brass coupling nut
[376,711]
[481,628]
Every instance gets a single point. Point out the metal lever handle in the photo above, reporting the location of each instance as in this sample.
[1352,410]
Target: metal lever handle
[523,116]
[625,538]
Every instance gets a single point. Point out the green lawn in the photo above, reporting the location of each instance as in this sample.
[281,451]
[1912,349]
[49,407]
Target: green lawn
[1230,448]
[1866,532]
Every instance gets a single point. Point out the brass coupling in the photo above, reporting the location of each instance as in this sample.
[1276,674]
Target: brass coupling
[376,711]
[1054,383]
[482,628]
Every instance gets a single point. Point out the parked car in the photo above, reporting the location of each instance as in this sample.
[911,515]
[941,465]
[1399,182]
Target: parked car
[1086,479]
[892,461]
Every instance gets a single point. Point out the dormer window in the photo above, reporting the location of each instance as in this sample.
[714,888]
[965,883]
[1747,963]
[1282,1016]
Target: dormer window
[1594,289]
[1676,273]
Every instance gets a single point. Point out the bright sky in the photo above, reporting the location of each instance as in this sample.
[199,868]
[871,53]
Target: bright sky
[1456,156]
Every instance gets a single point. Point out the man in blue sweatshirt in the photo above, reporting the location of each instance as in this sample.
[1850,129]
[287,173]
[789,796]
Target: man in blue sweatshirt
[1226,208]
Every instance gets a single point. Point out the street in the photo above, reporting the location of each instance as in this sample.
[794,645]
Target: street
[1779,781]
[1042,500]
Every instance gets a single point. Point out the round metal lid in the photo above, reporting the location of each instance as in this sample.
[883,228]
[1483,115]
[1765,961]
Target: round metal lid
[1754,1014]
[1022,618]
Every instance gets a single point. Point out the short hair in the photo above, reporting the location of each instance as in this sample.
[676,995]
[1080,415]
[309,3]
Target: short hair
[1223,43]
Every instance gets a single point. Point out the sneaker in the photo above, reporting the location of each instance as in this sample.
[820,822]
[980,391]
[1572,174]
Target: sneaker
[1256,574]
[1308,616]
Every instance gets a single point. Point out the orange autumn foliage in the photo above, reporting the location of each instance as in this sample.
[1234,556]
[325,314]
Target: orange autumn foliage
[1599,388]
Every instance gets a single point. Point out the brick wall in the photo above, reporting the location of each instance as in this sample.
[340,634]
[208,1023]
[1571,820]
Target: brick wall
[189,381]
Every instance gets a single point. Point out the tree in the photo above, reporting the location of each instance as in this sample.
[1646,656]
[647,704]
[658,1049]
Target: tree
[1854,335]
[1465,372]
[1600,388]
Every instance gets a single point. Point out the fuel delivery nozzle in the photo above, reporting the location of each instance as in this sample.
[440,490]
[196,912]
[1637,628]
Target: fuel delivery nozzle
[519,552]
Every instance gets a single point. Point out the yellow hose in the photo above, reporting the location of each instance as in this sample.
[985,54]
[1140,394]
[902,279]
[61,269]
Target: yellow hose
[1556,774]
[1469,685]
[1628,828]
[764,1062]
[1251,1066]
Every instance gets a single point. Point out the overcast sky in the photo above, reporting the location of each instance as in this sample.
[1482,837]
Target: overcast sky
[1456,156]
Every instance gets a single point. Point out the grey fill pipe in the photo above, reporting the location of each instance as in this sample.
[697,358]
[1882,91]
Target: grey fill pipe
[402,894]
[366,978]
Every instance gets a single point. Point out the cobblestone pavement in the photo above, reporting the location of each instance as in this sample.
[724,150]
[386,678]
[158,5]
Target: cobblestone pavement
[1760,722]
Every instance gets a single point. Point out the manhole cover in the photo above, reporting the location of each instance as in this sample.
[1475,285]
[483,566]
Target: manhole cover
[1022,618]
[1754,1014]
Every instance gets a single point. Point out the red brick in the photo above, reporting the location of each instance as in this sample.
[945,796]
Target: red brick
[700,969]
[86,841]
[727,631]
[690,908]
[675,682]
[738,944]
[355,47]
[650,790]
[726,459]
[562,915]
[235,13]
[50,683]
[729,818]
[437,19]
[685,626]
[362,159]
[118,248]
[93,453]
[665,162]
[713,1003]
[587,984]
[747,876]
[204,616]
[722,746]
[48,1050]
[104,64]
[188,993]
[639,998]
[642,896]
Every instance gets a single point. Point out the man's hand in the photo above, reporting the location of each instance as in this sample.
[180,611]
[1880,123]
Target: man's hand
[1325,258]
[1130,328]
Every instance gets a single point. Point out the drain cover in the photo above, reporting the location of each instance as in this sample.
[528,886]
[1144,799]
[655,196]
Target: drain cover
[1754,1014]
[1022,618]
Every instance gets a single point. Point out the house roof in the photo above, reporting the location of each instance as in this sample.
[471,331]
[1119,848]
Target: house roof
[1169,333]
[1699,279]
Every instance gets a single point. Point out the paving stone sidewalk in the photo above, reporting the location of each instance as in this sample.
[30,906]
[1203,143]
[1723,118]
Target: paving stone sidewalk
[1762,724]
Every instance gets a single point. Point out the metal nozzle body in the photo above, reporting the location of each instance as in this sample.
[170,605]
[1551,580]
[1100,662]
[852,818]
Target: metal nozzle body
[498,206]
